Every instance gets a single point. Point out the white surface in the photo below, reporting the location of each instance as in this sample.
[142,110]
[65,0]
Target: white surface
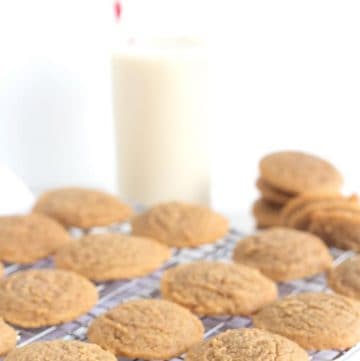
[288,77]
[14,194]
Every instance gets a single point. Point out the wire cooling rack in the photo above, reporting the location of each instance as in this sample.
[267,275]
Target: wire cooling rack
[114,293]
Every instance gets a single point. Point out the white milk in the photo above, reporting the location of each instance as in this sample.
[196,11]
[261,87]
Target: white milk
[163,110]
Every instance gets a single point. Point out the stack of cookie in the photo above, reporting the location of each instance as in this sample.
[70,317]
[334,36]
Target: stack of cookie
[285,175]
[333,217]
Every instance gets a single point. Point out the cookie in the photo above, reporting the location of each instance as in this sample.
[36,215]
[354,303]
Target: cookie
[284,254]
[266,214]
[345,278]
[105,257]
[60,350]
[339,229]
[180,224]
[271,194]
[298,213]
[298,172]
[1,270]
[26,239]
[315,321]
[217,288]
[7,338]
[146,329]
[46,297]
[247,344]
[83,208]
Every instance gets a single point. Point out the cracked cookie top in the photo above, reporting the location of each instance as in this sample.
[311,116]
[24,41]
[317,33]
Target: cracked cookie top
[104,257]
[284,254]
[82,207]
[147,329]
[60,351]
[45,297]
[247,344]
[298,172]
[315,321]
[180,224]
[218,288]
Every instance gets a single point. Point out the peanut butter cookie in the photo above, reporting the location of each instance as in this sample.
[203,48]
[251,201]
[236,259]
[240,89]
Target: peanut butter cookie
[104,257]
[345,278]
[298,172]
[298,212]
[83,208]
[217,288]
[147,329]
[266,214]
[339,229]
[315,321]
[7,338]
[284,254]
[38,298]
[59,350]
[180,224]
[272,194]
[247,344]
[26,239]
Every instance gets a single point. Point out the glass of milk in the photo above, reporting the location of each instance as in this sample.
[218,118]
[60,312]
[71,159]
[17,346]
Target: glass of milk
[163,108]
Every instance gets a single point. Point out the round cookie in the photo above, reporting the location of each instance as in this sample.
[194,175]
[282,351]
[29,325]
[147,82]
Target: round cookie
[83,208]
[60,350]
[104,257]
[217,288]
[297,204]
[247,344]
[146,329]
[46,297]
[298,172]
[271,194]
[315,321]
[266,214]
[340,229]
[284,254]
[7,338]
[180,224]
[307,205]
[26,239]
[345,278]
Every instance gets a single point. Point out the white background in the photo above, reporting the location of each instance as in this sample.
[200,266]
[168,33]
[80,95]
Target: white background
[289,78]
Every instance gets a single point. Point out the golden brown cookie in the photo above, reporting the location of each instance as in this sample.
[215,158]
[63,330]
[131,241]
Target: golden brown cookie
[26,239]
[83,208]
[284,254]
[316,321]
[345,278]
[60,350]
[298,212]
[1,270]
[46,297]
[180,224]
[272,194]
[104,257]
[298,172]
[339,229]
[147,329]
[217,288]
[247,344]
[7,338]
[266,214]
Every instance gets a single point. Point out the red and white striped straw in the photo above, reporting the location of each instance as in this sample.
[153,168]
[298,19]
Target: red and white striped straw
[118,10]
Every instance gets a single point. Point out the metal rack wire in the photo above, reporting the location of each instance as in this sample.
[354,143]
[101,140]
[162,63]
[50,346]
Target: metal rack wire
[113,293]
